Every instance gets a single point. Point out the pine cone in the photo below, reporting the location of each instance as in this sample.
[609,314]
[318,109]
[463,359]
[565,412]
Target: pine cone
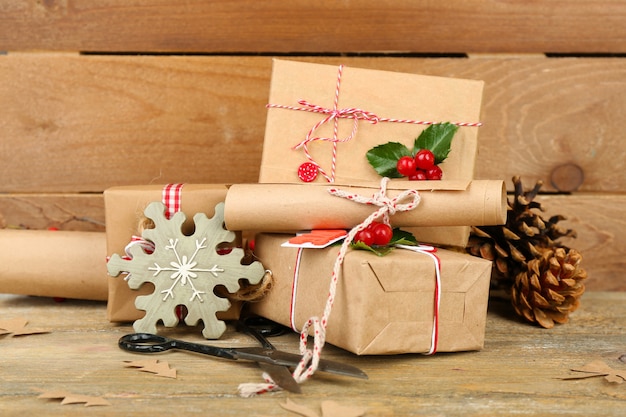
[550,288]
[518,247]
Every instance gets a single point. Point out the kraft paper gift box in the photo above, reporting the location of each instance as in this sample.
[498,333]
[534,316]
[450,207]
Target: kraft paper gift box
[295,207]
[383,305]
[53,264]
[381,95]
[124,207]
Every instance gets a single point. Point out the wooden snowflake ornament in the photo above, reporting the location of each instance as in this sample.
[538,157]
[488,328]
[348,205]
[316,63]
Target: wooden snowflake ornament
[184,270]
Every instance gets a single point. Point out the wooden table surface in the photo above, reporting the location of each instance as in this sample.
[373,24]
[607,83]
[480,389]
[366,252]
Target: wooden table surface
[516,373]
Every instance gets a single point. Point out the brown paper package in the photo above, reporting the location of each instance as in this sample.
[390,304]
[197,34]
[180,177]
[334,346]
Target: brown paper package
[53,264]
[384,93]
[384,305]
[294,207]
[124,208]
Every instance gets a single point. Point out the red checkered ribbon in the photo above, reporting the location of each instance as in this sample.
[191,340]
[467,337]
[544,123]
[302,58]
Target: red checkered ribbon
[334,114]
[172,199]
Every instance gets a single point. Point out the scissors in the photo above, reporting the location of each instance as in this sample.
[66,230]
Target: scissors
[259,327]
[265,355]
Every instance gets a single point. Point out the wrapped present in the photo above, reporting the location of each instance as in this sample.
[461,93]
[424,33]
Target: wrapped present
[323,119]
[124,210]
[332,116]
[382,305]
[53,264]
[295,207]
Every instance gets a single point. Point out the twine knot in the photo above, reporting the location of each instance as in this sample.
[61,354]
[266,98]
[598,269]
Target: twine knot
[407,200]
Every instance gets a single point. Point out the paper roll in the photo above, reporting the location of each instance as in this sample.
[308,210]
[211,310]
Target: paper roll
[293,207]
[53,264]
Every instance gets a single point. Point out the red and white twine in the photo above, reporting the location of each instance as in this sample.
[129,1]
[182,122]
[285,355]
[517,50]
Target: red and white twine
[334,114]
[405,201]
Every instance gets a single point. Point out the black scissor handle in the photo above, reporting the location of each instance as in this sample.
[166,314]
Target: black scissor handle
[146,343]
[152,343]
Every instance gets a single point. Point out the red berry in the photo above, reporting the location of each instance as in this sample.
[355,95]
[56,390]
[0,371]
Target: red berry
[434,173]
[406,166]
[366,236]
[424,159]
[307,172]
[382,234]
[419,175]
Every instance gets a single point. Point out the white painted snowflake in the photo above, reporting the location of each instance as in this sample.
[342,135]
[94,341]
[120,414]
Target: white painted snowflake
[185,270]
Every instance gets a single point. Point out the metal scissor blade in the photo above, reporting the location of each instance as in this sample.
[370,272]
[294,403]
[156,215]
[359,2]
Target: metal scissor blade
[281,376]
[278,357]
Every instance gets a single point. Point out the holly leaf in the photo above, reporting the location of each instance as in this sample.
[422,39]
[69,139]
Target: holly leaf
[378,250]
[384,158]
[437,138]
[399,237]
[402,237]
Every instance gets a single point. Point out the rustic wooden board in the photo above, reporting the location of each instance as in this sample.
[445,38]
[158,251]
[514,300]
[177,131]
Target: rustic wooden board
[82,212]
[599,221]
[75,123]
[517,370]
[301,26]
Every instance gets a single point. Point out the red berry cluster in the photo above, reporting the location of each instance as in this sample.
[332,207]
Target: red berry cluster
[420,167]
[378,234]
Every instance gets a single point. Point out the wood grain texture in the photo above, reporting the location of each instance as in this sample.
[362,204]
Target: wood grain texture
[517,369]
[78,124]
[71,211]
[301,26]
[599,222]
[84,123]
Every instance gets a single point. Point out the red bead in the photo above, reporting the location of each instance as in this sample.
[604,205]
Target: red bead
[307,172]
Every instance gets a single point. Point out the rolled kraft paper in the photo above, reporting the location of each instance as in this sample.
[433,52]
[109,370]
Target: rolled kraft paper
[293,207]
[53,264]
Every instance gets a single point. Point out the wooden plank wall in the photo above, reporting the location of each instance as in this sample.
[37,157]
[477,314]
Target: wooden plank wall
[108,92]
